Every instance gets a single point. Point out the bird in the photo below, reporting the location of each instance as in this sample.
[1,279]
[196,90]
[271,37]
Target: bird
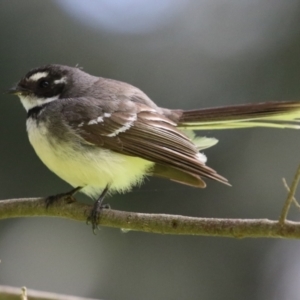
[103,136]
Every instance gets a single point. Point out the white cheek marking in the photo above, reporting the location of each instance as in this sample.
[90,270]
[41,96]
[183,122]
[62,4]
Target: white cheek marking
[125,127]
[31,101]
[37,76]
[99,119]
[107,115]
[61,80]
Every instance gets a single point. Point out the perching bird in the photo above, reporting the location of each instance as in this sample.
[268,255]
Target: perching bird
[104,135]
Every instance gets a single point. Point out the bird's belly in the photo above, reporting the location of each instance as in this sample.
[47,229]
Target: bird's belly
[87,166]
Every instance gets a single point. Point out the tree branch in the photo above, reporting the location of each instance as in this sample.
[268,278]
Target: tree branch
[155,223]
[13,293]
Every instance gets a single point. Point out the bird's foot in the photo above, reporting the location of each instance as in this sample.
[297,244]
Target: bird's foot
[95,212]
[65,197]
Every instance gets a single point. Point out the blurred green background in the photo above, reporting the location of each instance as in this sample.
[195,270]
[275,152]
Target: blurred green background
[183,54]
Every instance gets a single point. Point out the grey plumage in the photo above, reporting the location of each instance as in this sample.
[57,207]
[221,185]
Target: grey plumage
[95,132]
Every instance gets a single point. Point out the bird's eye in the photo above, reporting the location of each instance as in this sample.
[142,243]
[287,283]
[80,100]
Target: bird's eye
[44,83]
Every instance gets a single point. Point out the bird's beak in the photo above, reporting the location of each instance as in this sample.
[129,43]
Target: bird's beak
[17,90]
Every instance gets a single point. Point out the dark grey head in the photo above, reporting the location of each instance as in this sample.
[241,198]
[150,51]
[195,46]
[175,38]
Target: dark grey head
[48,83]
[53,82]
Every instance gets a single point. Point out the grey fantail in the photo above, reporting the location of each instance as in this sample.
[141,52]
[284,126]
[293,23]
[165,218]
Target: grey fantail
[104,135]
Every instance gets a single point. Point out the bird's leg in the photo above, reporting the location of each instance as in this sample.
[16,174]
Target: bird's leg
[94,215]
[68,197]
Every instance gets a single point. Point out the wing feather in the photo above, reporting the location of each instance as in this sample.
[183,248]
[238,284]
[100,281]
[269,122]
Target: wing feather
[145,133]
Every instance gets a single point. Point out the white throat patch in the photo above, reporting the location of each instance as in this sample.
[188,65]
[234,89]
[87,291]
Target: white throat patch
[31,101]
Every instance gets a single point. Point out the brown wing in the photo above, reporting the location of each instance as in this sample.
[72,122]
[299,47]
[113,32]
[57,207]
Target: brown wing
[138,130]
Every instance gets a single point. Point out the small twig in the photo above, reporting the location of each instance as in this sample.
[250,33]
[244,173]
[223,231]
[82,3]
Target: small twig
[24,293]
[290,198]
[296,203]
[288,189]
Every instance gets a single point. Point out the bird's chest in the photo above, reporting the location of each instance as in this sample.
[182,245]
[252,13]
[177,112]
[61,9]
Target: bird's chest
[74,165]
[52,153]
[85,165]
[39,138]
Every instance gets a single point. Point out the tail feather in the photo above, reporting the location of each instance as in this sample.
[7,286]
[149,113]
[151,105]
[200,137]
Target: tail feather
[269,114]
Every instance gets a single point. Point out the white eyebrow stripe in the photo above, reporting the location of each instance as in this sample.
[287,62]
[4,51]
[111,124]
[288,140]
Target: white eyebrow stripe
[38,75]
[61,80]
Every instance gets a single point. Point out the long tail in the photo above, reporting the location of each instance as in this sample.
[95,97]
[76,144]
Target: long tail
[268,114]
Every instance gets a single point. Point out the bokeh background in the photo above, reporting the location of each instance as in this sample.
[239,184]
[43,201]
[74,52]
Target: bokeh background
[183,54]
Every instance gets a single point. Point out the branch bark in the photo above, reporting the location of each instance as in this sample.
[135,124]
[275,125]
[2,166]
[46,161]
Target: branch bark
[155,223]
